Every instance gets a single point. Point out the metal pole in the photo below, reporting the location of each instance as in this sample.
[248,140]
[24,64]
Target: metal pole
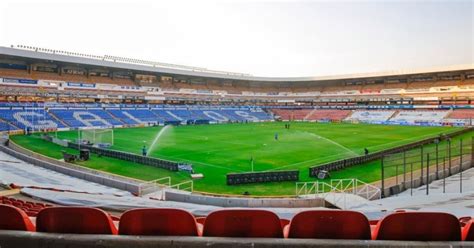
[449,157]
[411,179]
[444,175]
[460,166]
[382,195]
[437,167]
[427,173]
[404,168]
[396,174]
[421,166]
[472,151]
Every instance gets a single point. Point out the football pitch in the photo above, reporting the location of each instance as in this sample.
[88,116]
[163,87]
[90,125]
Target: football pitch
[216,150]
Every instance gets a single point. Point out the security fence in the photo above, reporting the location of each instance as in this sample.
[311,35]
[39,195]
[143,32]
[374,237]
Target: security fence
[424,164]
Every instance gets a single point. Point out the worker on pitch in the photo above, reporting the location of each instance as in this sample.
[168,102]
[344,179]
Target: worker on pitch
[276,136]
[144,150]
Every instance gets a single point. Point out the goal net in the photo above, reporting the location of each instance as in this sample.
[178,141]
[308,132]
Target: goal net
[99,137]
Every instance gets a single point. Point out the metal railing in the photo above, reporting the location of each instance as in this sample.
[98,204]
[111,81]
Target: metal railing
[337,190]
[154,186]
[187,186]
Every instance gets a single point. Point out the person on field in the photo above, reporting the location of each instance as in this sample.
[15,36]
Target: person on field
[276,136]
[144,151]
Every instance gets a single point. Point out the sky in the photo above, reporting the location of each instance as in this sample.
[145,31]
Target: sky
[262,38]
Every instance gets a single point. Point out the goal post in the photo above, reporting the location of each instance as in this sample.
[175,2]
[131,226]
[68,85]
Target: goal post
[98,136]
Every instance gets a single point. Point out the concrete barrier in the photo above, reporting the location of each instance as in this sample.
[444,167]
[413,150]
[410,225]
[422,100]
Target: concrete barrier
[110,180]
[220,201]
[15,239]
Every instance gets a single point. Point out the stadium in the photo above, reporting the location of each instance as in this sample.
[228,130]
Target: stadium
[110,151]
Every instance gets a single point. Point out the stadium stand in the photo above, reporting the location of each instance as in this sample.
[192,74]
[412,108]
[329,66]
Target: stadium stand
[419,116]
[461,114]
[331,115]
[30,208]
[22,118]
[370,116]
[311,114]
[59,116]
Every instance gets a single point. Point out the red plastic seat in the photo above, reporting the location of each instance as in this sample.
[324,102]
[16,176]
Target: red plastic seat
[418,226]
[468,231]
[329,224]
[78,220]
[243,223]
[13,218]
[160,222]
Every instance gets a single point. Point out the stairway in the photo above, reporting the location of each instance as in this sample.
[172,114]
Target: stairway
[57,119]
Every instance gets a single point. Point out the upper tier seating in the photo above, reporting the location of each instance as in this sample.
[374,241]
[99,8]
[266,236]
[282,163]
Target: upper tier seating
[370,116]
[329,224]
[159,222]
[78,220]
[418,226]
[243,223]
[419,116]
[13,218]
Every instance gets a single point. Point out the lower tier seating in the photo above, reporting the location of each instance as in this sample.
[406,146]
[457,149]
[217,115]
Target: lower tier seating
[314,224]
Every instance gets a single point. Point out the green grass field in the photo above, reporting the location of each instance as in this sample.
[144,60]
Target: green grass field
[215,150]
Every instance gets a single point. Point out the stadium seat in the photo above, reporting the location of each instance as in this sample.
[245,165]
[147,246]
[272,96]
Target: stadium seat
[468,231]
[13,218]
[243,223]
[418,226]
[78,220]
[329,224]
[160,222]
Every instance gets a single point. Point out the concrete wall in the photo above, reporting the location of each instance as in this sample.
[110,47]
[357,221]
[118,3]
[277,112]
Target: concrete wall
[123,183]
[15,239]
[219,201]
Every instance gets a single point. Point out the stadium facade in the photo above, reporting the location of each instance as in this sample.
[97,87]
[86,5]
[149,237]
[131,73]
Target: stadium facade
[51,89]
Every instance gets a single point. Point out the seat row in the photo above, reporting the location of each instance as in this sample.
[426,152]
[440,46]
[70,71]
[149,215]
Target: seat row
[30,208]
[315,224]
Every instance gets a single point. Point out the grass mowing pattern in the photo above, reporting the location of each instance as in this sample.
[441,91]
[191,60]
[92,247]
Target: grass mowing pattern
[216,150]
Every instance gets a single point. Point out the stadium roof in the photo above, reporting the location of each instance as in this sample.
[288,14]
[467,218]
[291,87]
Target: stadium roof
[156,67]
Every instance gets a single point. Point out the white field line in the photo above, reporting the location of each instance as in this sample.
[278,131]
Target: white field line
[333,142]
